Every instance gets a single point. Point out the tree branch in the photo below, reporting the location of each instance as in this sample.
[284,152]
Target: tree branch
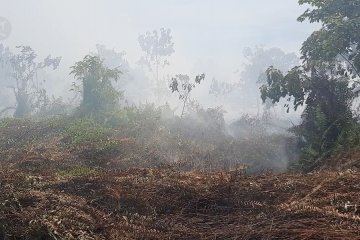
[351,64]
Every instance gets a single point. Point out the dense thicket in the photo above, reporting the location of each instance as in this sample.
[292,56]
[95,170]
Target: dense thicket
[326,83]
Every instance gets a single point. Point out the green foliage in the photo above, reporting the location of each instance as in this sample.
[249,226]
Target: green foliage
[6,122]
[338,37]
[349,137]
[85,130]
[253,75]
[295,85]
[181,84]
[143,121]
[327,99]
[324,82]
[80,171]
[99,96]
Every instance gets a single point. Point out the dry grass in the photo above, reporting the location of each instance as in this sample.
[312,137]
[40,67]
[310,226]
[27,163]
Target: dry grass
[165,204]
[51,190]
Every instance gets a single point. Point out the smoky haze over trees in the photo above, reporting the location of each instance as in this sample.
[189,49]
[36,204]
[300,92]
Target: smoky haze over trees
[162,119]
[157,47]
[20,70]
[151,81]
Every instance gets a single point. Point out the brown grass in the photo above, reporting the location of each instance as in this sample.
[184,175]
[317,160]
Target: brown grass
[166,204]
[51,190]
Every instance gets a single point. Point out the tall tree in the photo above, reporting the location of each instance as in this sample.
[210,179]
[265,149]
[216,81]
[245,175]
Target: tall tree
[22,69]
[338,40]
[326,81]
[157,46]
[99,95]
[258,60]
[5,79]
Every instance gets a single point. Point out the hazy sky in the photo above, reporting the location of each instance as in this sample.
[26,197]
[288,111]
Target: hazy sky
[202,29]
[209,35]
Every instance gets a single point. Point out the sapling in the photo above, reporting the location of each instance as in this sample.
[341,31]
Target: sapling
[182,85]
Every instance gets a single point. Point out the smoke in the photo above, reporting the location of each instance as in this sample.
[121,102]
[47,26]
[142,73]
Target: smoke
[232,42]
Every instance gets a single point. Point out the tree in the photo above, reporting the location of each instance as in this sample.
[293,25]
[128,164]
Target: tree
[157,48]
[327,99]
[182,85]
[323,82]
[135,84]
[252,76]
[258,60]
[338,40]
[112,58]
[6,81]
[98,94]
[22,69]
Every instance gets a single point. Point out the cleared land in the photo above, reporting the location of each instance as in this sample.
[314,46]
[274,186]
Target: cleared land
[50,191]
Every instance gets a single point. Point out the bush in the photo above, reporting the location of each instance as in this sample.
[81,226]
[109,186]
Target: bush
[85,130]
[80,171]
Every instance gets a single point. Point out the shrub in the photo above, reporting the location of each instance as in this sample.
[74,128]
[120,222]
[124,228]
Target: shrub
[85,130]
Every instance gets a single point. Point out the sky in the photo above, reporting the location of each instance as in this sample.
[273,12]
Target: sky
[209,35]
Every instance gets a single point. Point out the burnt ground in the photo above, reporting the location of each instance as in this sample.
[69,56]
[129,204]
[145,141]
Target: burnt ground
[52,188]
[166,204]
